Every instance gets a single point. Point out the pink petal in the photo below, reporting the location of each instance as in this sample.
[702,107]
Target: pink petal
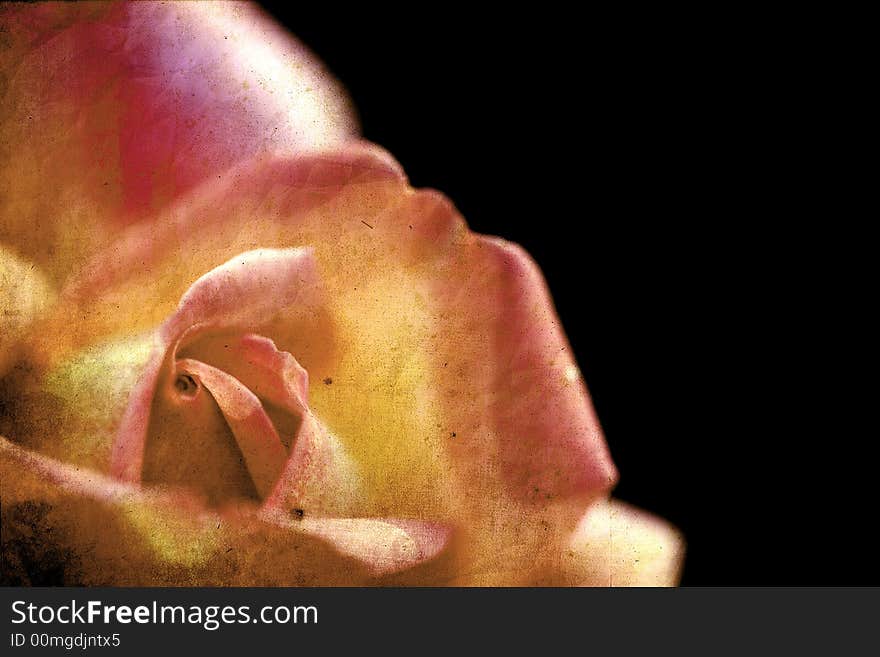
[254,432]
[127,453]
[146,101]
[319,477]
[272,374]
[246,291]
[555,445]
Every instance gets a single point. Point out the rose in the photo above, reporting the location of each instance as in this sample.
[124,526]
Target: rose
[410,244]
[438,373]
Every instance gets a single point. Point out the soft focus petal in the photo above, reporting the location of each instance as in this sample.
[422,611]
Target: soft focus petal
[52,514]
[25,295]
[320,476]
[112,110]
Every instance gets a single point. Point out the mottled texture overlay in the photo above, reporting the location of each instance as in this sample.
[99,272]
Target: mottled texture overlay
[238,348]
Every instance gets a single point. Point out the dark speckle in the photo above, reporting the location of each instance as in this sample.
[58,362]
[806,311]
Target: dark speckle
[453,434]
[229,550]
[298,514]
[328,381]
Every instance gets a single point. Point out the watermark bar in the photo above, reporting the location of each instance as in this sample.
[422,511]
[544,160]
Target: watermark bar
[589,621]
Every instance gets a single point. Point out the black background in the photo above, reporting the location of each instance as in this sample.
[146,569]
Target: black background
[659,169]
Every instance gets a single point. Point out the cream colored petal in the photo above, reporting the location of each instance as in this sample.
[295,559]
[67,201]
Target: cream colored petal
[616,544]
[387,547]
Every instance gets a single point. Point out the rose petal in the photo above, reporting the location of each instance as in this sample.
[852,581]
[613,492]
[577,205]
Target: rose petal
[246,291]
[151,538]
[144,101]
[553,444]
[85,394]
[254,432]
[319,476]
[385,545]
[616,544]
[127,452]
[191,444]
[270,374]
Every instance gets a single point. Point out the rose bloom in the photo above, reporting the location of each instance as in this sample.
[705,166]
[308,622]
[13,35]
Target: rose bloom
[239,349]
